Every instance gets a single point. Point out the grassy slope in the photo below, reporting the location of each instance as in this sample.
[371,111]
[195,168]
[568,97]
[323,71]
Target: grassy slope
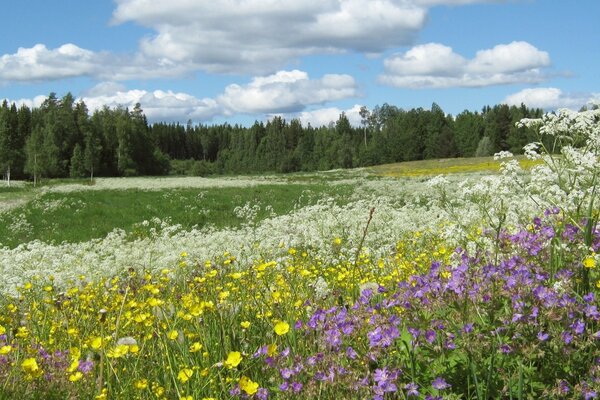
[83,215]
[443,166]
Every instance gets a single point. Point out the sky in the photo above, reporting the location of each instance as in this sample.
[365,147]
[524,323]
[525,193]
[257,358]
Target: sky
[239,61]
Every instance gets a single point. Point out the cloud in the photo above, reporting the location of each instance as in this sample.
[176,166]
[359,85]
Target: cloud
[288,92]
[38,63]
[260,36]
[434,65]
[551,98]
[41,63]
[253,37]
[325,116]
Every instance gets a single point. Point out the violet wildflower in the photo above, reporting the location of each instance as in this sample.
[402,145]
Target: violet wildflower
[262,394]
[286,373]
[578,327]
[440,384]
[85,366]
[567,337]
[296,387]
[430,336]
[542,336]
[351,353]
[412,389]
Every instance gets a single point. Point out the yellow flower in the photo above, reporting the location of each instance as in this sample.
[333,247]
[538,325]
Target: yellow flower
[195,347]
[245,324]
[30,367]
[271,350]
[5,350]
[75,377]
[281,328]
[337,241]
[248,386]
[185,374]
[233,359]
[188,397]
[73,366]
[589,262]
[173,335]
[141,384]
[96,343]
[103,395]
[118,351]
[2,330]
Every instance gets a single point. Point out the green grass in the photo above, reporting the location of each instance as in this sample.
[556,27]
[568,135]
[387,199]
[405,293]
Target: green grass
[83,215]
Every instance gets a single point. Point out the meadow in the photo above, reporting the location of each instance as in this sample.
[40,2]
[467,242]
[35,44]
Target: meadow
[454,279]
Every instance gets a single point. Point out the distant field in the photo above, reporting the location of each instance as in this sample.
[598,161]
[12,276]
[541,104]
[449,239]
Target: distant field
[444,166]
[80,215]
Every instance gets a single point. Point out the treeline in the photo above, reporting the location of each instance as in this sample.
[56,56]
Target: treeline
[61,138]
[387,134]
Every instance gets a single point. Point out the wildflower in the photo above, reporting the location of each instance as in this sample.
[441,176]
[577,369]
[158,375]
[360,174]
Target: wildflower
[75,376]
[141,384]
[589,262]
[245,324]
[411,389]
[31,367]
[233,359]
[281,328]
[440,384]
[185,374]
[96,343]
[195,347]
[172,335]
[118,351]
[5,350]
[248,386]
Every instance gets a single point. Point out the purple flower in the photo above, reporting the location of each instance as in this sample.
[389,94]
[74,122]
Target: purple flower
[286,373]
[567,337]
[563,387]
[430,336]
[85,366]
[440,384]
[296,387]
[351,353]
[412,389]
[542,336]
[505,348]
[262,394]
[578,327]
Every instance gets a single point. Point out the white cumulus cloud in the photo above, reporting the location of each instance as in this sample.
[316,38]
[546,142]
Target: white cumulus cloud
[38,63]
[264,35]
[551,98]
[285,92]
[325,116]
[434,65]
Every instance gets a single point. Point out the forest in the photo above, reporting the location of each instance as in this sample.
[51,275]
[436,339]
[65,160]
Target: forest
[61,138]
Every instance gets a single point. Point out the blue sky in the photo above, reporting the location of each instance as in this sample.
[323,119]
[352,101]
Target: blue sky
[245,60]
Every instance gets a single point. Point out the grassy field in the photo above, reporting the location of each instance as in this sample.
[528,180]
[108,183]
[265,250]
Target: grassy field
[444,166]
[386,282]
[78,216]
